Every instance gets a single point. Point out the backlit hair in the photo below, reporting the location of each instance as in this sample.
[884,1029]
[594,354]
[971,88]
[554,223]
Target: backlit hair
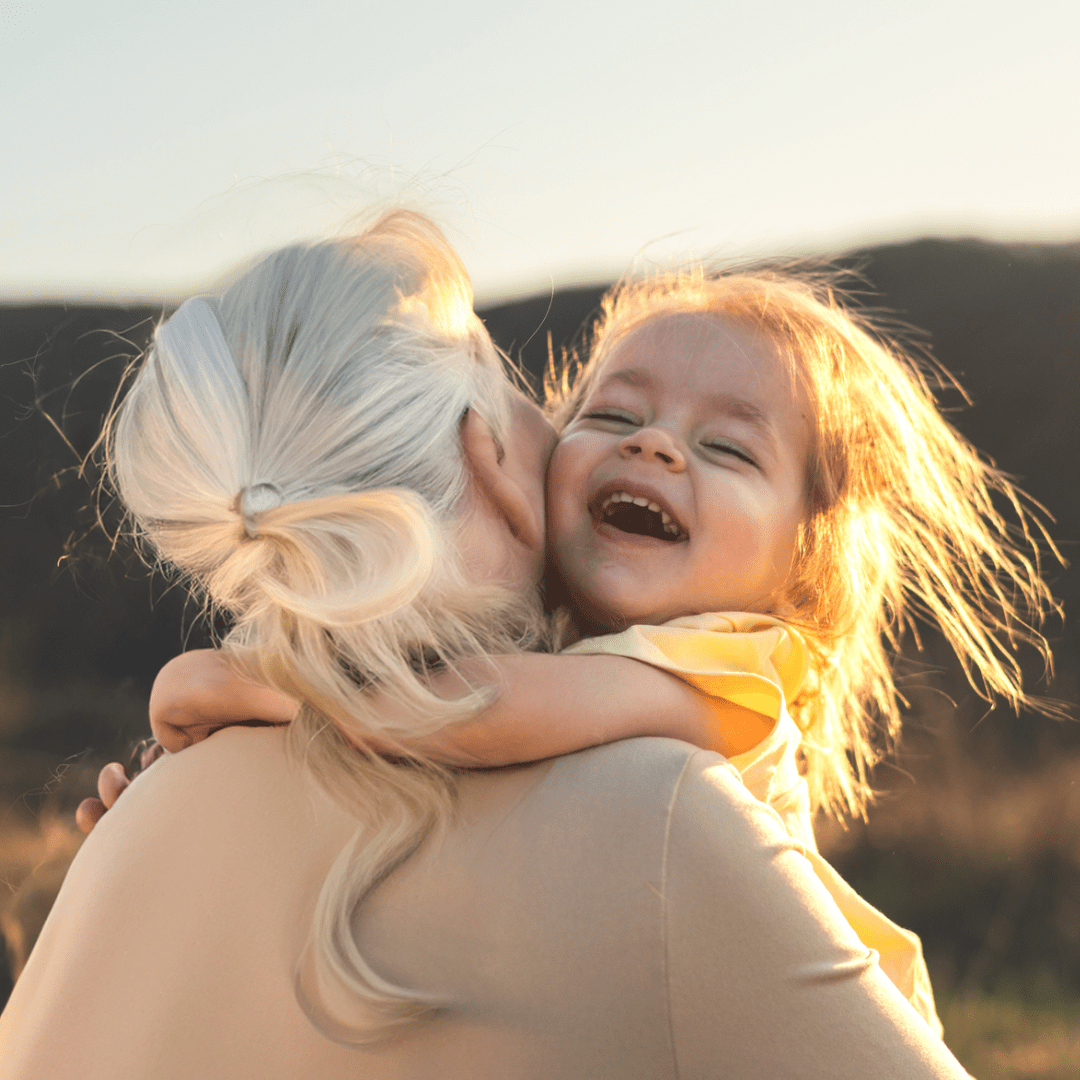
[902,514]
[307,480]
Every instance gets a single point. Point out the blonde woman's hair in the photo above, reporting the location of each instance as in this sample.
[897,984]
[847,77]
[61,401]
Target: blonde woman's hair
[306,478]
[903,517]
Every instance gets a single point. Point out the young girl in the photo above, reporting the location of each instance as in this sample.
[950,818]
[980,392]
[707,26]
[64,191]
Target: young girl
[753,492]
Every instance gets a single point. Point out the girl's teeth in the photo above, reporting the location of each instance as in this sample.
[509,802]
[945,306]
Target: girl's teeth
[638,500]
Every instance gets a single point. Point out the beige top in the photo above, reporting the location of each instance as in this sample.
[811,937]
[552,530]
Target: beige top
[627,912]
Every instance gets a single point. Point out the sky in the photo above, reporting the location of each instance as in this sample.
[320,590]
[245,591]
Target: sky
[148,150]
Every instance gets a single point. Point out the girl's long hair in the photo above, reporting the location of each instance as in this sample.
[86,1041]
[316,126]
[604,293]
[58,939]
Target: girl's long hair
[307,483]
[904,519]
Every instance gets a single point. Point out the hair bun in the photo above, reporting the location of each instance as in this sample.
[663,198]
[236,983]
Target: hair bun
[255,500]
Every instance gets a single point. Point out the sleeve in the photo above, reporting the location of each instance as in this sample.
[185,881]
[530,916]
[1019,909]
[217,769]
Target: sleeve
[764,975]
[756,661]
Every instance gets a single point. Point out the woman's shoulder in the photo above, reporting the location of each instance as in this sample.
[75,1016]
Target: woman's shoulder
[668,808]
[234,778]
[209,829]
[247,754]
[651,770]
[657,784]
[209,865]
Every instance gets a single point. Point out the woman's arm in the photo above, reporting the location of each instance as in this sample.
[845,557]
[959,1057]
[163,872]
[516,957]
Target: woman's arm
[544,706]
[764,974]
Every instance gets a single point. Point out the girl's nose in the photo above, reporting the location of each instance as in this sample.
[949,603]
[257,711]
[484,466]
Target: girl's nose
[656,445]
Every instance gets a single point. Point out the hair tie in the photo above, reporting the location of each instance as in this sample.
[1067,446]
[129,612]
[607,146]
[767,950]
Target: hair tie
[255,500]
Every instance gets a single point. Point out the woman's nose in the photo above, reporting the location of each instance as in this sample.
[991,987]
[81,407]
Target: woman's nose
[654,444]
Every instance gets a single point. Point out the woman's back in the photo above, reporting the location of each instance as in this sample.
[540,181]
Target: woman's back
[625,912]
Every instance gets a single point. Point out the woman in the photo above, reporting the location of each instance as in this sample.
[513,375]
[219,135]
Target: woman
[332,453]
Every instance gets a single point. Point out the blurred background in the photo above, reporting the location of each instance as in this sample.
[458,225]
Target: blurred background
[147,153]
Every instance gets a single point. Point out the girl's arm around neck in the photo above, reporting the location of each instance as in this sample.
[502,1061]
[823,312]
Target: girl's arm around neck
[198,693]
[551,705]
[544,706]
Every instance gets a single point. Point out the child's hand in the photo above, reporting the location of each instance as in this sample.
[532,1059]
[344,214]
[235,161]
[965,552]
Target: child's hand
[111,783]
[198,693]
[112,780]
[194,695]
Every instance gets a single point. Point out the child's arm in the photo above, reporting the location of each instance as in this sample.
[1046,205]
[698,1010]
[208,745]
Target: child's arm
[545,706]
[550,705]
[112,780]
[197,693]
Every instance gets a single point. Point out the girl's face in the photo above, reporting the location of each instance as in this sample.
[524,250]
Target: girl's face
[679,486]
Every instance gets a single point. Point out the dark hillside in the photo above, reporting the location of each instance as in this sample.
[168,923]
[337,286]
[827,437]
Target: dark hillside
[525,328]
[1005,321]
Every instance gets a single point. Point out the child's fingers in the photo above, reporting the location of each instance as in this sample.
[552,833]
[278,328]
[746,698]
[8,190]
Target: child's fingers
[88,814]
[111,782]
[150,754]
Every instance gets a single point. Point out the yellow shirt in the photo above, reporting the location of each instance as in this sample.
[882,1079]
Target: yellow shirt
[759,662]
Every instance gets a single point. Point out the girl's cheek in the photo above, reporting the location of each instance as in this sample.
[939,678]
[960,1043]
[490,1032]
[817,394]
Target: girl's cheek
[559,466]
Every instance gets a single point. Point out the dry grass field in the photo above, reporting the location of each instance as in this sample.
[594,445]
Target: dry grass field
[982,859]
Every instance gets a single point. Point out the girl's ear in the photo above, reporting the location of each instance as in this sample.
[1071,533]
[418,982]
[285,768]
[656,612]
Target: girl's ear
[494,477]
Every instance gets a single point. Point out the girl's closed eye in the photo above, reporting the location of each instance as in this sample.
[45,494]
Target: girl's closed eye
[726,447]
[613,416]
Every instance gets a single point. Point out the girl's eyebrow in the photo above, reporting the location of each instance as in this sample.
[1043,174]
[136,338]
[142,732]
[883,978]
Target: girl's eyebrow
[630,376]
[740,409]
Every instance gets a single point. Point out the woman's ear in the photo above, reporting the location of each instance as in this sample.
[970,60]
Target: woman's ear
[493,474]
